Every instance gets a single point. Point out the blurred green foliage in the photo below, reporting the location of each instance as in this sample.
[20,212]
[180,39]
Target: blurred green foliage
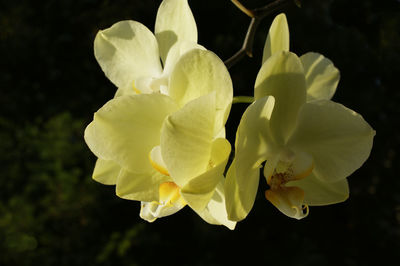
[53,213]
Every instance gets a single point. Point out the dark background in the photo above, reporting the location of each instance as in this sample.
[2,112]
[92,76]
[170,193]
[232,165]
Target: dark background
[53,213]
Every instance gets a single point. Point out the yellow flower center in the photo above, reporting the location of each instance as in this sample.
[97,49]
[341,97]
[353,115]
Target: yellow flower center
[285,173]
[170,201]
[169,194]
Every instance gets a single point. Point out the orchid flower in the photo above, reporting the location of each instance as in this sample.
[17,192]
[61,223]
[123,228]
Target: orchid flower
[309,147]
[129,55]
[170,149]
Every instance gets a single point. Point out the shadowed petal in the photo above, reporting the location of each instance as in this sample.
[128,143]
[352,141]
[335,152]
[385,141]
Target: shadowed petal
[322,77]
[278,37]
[174,23]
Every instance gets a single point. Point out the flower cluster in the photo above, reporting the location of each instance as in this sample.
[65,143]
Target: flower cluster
[161,139]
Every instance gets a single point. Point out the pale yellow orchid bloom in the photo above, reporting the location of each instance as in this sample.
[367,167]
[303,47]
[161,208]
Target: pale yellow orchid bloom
[310,147]
[322,77]
[170,149]
[129,54]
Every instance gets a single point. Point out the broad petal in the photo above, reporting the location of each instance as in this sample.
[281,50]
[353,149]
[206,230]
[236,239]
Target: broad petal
[282,76]
[338,139]
[215,212]
[127,51]
[174,22]
[253,146]
[199,190]
[240,199]
[254,143]
[278,37]
[197,73]
[319,193]
[126,128]
[322,77]
[106,172]
[186,139]
[140,186]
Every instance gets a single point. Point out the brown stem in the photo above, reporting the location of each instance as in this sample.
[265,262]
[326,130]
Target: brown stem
[242,8]
[257,15]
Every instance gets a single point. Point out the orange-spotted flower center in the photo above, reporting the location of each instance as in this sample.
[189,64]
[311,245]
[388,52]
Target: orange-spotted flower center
[289,199]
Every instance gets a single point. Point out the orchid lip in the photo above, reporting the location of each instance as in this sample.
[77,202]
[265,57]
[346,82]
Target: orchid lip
[170,202]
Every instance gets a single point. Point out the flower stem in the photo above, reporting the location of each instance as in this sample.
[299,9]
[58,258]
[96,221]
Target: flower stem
[257,15]
[243,99]
[242,8]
